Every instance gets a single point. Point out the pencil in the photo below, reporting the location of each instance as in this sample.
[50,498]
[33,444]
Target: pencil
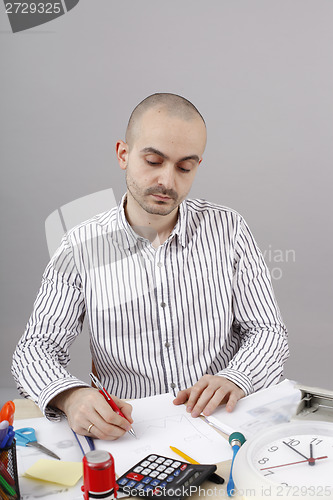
[215,478]
[7,487]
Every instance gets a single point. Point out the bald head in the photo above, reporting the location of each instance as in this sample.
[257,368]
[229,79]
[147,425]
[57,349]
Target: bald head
[174,105]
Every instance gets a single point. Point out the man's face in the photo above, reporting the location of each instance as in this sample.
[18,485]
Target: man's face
[162,160]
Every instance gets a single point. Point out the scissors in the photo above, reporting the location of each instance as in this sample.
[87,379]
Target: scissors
[27,437]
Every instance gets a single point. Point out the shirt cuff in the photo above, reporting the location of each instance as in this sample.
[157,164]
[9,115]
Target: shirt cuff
[238,378]
[51,391]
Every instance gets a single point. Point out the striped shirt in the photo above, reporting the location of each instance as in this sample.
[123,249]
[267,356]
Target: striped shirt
[159,318]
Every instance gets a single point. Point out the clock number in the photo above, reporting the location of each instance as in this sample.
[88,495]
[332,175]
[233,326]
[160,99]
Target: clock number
[293,442]
[316,441]
[273,448]
[269,473]
[262,461]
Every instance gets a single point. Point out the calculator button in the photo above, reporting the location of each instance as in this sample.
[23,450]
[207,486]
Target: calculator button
[146,480]
[163,484]
[176,473]
[161,468]
[154,473]
[183,467]
[131,484]
[162,476]
[176,464]
[197,474]
[135,476]
[155,482]
[122,481]
[145,472]
[152,458]
[138,469]
[160,460]
[153,465]
[145,463]
[168,462]
[169,470]
[147,488]
[170,479]
[139,486]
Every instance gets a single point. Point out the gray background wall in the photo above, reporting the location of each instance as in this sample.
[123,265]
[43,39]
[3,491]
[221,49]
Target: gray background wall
[260,71]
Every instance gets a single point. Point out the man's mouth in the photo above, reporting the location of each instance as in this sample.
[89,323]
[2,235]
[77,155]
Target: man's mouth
[161,198]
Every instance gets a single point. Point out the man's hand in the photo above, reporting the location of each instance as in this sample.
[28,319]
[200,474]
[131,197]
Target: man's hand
[84,406]
[209,392]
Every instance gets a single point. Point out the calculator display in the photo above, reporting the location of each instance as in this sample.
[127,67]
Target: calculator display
[161,476]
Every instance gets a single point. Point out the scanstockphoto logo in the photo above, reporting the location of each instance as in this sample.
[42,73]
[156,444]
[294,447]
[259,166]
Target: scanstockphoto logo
[29,14]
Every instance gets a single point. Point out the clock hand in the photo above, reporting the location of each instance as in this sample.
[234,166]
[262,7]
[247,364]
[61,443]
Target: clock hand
[289,446]
[293,463]
[311,460]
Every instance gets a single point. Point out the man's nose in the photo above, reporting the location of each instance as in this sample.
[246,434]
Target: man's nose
[166,176]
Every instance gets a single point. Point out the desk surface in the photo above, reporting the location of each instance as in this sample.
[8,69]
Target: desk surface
[25,408]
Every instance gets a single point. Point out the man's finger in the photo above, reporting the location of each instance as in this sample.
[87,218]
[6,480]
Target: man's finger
[182,397]
[126,410]
[203,400]
[107,431]
[215,401]
[106,415]
[232,401]
[195,394]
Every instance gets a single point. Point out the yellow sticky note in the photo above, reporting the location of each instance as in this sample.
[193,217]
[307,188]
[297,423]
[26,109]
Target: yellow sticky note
[55,471]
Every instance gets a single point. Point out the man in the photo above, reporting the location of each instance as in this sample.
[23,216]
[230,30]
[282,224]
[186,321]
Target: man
[176,292]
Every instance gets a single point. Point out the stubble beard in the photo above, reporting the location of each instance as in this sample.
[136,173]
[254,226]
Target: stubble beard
[156,207]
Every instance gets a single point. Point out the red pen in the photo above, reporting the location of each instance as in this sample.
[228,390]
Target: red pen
[109,399]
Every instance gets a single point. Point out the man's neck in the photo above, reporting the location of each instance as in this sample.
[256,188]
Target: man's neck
[156,228]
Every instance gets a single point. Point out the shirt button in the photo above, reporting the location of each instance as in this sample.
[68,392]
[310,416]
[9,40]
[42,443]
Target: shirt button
[163,304]
[172,385]
[167,344]
[160,264]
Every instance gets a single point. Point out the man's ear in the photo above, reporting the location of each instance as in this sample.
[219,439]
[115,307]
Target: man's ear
[122,154]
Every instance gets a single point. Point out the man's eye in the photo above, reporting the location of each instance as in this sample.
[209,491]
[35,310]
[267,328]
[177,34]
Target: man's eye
[184,169]
[153,162]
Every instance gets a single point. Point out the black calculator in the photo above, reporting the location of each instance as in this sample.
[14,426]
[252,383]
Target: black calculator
[164,477]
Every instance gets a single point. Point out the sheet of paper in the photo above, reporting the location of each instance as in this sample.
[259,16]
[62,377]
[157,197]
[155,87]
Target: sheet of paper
[56,471]
[260,410]
[159,424]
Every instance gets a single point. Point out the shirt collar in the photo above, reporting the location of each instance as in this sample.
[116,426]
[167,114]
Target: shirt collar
[128,238]
[180,227]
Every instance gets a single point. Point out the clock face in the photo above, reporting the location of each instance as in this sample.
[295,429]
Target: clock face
[288,457]
[285,460]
